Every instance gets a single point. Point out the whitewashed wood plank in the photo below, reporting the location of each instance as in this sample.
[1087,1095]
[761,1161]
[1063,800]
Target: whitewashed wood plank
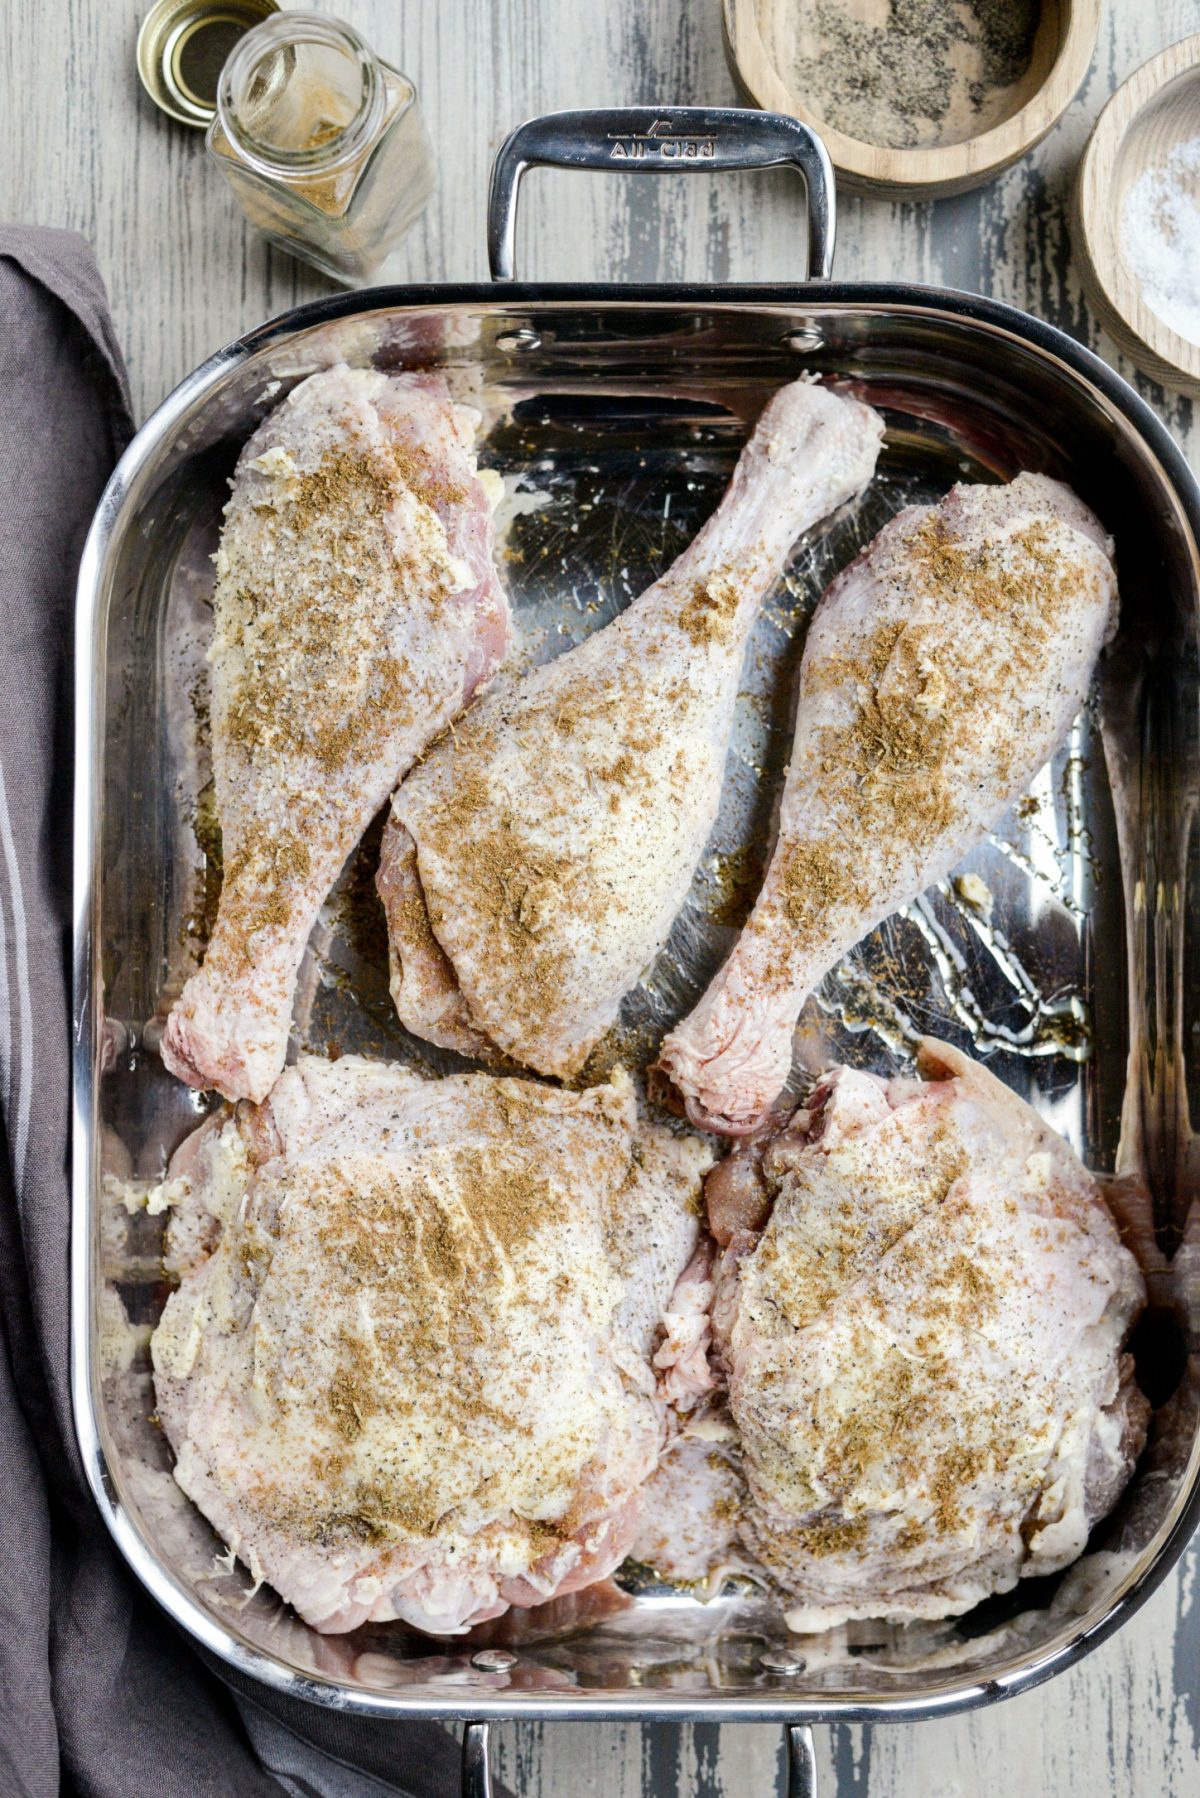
[80,146]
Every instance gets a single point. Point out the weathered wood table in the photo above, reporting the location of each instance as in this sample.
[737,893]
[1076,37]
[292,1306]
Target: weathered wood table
[81,146]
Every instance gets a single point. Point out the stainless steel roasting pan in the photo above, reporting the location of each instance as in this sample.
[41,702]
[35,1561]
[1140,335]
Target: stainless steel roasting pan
[614,414]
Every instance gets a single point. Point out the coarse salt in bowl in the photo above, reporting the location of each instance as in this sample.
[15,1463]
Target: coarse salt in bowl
[1136,216]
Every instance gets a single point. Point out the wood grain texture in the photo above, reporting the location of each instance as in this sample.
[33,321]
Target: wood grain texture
[81,146]
[763,36]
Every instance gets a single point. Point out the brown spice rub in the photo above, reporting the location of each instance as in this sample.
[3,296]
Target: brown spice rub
[531,882]
[425,1245]
[346,485]
[832,1535]
[814,879]
[253,892]
[925,696]
[314,678]
[639,718]
[424,475]
[709,613]
[519,888]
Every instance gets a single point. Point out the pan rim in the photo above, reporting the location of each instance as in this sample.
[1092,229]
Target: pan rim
[996,318]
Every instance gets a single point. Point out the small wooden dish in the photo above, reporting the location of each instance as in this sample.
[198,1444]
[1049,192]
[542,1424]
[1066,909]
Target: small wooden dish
[760,40]
[1157,108]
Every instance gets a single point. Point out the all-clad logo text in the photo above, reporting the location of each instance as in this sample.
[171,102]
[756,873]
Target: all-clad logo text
[659,141]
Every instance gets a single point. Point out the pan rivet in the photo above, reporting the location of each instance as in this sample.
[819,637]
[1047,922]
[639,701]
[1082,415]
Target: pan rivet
[524,339]
[493,1660]
[780,1661]
[807,338]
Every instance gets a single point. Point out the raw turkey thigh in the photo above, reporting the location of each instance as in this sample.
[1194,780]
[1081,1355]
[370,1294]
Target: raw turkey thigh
[917,1337]
[406,1373]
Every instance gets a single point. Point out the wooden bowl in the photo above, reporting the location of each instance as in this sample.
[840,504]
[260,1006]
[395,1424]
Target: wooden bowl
[1152,112]
[761,40]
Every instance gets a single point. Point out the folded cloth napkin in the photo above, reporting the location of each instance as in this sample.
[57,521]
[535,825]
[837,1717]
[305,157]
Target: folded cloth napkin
[100,1695]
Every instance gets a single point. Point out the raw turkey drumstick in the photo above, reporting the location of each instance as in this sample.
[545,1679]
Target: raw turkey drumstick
[356,612]
[534,861]
[942,668]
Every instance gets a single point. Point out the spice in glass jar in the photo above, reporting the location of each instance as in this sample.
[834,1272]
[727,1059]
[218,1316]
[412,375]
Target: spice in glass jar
[322,142]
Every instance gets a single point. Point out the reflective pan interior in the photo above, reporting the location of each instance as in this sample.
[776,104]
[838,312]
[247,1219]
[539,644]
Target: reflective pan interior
[615,422]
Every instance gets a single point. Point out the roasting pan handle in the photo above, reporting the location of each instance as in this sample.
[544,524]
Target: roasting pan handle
[477,1776]
[802,1763]
[476,1772]
[655,140]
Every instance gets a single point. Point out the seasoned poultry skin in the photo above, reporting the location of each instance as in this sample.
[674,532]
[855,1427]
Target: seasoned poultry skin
[918,1320]
[533,863]
[942,668]
[356,612]
[406,1373]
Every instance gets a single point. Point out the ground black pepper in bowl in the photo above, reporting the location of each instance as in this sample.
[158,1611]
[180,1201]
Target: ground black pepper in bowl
[906,74]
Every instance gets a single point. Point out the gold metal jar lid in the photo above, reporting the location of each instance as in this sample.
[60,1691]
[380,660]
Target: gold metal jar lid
[183,46]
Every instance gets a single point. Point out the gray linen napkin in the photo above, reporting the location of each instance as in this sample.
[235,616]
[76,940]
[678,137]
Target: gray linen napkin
[99,1694]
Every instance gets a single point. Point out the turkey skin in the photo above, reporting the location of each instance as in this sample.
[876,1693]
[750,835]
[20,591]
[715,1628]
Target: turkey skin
[533,864]
[917,1364]
[406,1372]
[942,668]
[356,612]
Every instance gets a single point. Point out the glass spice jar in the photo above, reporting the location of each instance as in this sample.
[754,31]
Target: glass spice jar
[322,142]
